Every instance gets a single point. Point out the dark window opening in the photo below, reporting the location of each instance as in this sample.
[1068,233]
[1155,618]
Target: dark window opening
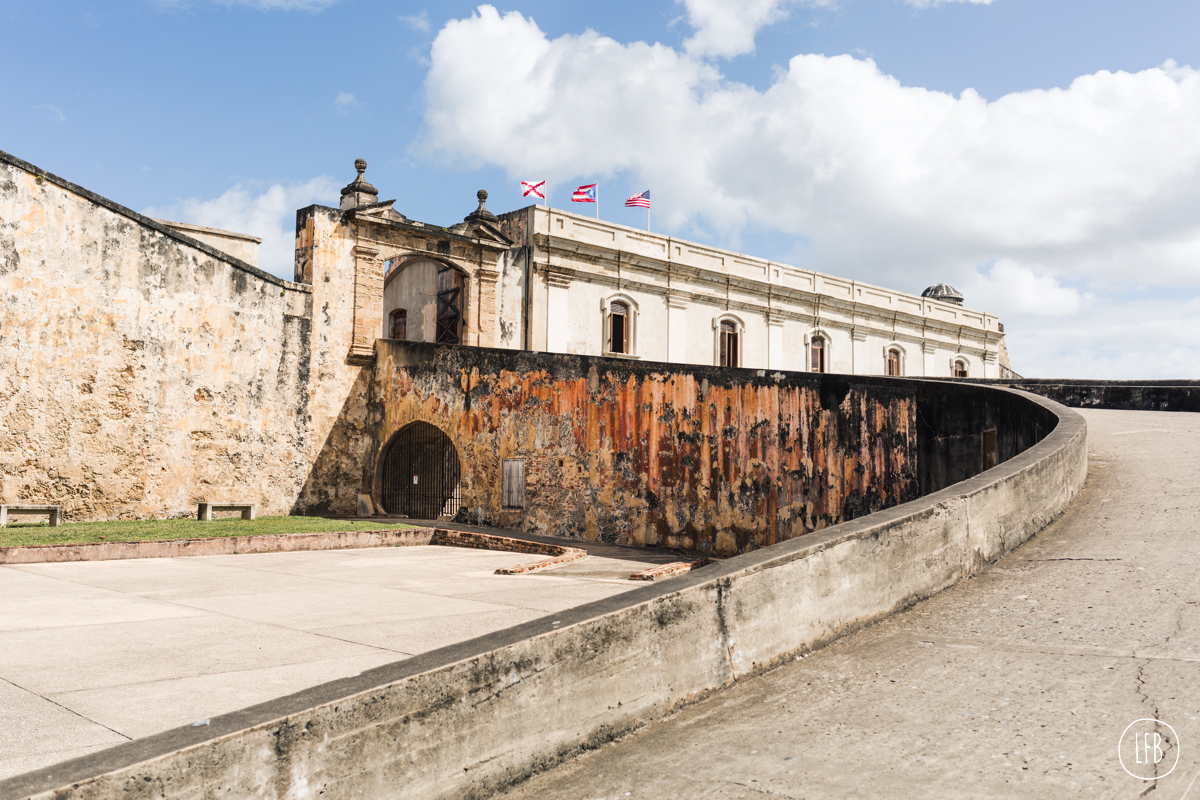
[729,344]
[400,324]
[512,488]
[618,334]
[960,369]
[420,473]
[991,454]
[443,248]
[449,306]
[893,363]
[818,354]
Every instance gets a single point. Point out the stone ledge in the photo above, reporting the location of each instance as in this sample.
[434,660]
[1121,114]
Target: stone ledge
[214,546]
[153,224]
[558,553]
[668,570]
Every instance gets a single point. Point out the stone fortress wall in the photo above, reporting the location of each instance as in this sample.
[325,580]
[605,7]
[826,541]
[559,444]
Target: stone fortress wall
[143,371]
[716,459]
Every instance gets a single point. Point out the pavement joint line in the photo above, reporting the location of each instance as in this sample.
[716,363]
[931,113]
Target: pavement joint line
[67,709]
[1017,647]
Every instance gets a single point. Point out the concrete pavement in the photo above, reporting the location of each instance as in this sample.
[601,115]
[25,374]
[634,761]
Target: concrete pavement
[95,653]
[1018,683]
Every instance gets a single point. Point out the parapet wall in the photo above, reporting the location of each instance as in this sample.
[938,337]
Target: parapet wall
[467,720]
[716,459]
[1164,395]
[143,371]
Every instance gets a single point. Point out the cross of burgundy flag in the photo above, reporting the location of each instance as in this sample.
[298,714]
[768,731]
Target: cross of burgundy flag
[585,194]
[535,188]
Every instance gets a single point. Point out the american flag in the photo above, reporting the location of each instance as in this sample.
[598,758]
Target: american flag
[585,194]
[639,200]
[535,188]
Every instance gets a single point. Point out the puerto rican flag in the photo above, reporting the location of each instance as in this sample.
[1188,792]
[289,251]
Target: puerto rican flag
[639,200]
[535,188]
[585,194]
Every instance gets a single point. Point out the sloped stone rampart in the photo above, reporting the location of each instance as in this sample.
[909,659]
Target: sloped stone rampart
[466,720]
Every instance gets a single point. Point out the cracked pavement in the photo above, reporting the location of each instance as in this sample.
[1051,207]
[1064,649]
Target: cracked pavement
[1017,683]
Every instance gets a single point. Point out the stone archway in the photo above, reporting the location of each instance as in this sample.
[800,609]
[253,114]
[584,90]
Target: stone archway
[420,473]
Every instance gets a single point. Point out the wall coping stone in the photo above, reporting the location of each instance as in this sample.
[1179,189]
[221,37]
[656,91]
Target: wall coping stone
[153,224]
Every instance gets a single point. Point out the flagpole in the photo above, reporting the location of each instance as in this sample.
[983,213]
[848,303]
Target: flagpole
[597,201]
[647,219]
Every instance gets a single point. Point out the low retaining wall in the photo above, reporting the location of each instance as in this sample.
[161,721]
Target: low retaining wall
[214,546]
[1121,395]
[469,719]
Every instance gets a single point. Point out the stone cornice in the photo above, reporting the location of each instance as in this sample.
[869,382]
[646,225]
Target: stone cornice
[555,247]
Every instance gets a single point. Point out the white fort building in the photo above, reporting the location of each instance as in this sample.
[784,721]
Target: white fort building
[552,281]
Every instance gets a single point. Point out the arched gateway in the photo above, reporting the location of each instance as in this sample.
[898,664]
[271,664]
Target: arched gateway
[420,473]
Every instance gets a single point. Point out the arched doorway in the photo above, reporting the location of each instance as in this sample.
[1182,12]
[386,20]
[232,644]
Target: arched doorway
[420,473]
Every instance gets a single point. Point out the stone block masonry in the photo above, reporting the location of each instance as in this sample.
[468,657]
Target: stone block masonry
[720,460]
[143,371]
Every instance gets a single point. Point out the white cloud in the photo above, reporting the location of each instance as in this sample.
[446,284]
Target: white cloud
[418,22]
[269,215]
[346,100]
[1067,191]
[727,28]
[1011,289]
[54,112]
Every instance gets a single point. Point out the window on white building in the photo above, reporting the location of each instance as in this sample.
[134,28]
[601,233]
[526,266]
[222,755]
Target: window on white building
[960,368]
[729,350]
[618,327]
[817,354]
[893,362]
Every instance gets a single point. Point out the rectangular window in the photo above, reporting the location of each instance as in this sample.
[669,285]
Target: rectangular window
[818,354]
[512,489]
[991,454]
[400,324]
[619,325]
[729,344]
[893,363]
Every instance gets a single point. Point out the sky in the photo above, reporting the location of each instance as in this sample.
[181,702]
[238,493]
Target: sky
[1039,155]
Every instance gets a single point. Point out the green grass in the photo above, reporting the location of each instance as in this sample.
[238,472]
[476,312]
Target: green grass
[31,532]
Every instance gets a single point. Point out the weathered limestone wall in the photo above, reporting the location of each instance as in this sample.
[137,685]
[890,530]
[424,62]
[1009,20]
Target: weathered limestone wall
[721,460]
[142,371]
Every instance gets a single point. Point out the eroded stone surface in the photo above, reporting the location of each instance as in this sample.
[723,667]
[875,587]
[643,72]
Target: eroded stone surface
[1015,684]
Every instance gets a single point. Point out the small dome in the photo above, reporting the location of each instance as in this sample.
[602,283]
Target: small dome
[944,292]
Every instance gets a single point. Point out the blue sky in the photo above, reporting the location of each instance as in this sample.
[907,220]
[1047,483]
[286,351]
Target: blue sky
[931,152]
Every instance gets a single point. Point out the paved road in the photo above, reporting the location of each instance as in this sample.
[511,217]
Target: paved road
[95,653]
[1018,683]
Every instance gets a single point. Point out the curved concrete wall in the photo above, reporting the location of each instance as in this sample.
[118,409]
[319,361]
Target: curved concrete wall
[471,718]
[1168,395]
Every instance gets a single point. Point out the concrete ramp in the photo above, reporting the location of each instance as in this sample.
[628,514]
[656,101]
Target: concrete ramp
[469,719]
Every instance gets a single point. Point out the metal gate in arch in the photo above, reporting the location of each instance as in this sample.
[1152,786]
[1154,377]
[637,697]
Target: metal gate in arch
[421,473]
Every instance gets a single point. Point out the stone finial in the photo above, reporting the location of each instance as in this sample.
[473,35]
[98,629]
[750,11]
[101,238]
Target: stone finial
[482,212]
[359,192]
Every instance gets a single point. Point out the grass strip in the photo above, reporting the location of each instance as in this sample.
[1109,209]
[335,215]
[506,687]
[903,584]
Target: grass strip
[18,534]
